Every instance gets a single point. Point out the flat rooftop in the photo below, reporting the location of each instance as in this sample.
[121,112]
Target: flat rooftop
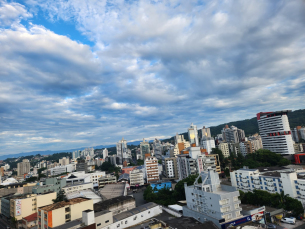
[113,190]
[104,205]
[189,222]
[62,204]
[133,211]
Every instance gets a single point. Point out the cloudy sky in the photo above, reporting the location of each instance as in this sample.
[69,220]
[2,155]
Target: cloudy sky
[77,73]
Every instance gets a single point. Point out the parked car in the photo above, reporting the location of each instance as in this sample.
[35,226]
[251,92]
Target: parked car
[271,226]
[290,220]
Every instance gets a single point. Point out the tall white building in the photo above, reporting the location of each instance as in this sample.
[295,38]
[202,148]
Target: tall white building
[212,201]
[105,153]
[121,151]
[208,143]
[87,152]
[76,154]
[275,131]
[193,135]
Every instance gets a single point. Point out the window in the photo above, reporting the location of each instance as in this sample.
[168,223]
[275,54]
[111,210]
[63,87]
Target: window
[107,221]
[99,224]
[118,225]
[126,222]
[149,212]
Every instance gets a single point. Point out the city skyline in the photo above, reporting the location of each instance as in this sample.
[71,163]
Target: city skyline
[75,75]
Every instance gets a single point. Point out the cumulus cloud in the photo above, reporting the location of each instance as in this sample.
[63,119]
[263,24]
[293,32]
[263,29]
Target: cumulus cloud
[155,67]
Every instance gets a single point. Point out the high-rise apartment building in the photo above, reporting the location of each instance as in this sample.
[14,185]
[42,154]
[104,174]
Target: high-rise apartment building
[23,167]
[64,161]
[298,133]
[145,148]
[152,170]
[87,152]
[208,143]
[233,134]
[105,153]
[158,148]
[170,168]
[76,154]
[204,133]
[121,151]
[275,132]
[193,135]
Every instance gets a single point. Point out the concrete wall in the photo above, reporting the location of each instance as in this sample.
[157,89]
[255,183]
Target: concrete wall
[199,216]
[104,220]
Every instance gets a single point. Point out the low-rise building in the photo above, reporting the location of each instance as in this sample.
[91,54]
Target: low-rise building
[116,205]
[61,169]
[77,187]
[29,222]
[62,212]
[113,190]
[108,179]
[78,178]
[136,178]
[53,184]
[271,179]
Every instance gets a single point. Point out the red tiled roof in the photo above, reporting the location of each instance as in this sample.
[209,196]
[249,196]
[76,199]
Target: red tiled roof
[31,218]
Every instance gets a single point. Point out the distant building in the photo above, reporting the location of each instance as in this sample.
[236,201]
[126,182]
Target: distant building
[87,152]
[275,131]
[158,148]
[64,161]
[193,135]
[233,134]
[170,168]
[23,167]
[112,159]
[204,133]
[208,143]
[82,166]
[152,171]
[121,150]
[224,147]
[105,153]
[145,148]
[76,154]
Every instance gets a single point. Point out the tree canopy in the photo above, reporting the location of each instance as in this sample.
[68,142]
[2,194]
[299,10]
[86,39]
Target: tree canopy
[276,200]
[61,196]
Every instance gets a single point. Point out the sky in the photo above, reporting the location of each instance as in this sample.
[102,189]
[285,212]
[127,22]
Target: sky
[77,73]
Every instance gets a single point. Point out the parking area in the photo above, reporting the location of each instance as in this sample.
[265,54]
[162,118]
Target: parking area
[298,223]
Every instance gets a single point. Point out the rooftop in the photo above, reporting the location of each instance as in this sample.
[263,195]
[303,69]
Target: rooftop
[272,174]
[188,223]
[87,193]
[133,211]
[62,204]
[103,205]
[269,169]
[113,190]
[70,224]
[31,218]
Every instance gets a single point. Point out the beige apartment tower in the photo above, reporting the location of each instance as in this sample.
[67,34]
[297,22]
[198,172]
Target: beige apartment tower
[23,167]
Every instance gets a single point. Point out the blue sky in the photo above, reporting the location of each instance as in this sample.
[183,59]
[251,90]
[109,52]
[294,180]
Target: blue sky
[79,73]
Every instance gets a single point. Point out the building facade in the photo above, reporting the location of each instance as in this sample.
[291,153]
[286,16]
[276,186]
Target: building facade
[151,168]
[108,179]
[193,135]
[170,168]
[224,147]
[208,143]
[136,178]
[121,150]
[145,148]
[211,201]
[233,134]
[23,167]
[275,132]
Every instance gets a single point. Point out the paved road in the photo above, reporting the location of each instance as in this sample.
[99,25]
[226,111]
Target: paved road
[298,223]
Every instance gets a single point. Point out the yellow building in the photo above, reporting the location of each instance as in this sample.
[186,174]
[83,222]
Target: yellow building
[21,206]
[62,212]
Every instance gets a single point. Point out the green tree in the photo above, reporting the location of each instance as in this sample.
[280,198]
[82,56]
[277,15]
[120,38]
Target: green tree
[61,196]
[140,162]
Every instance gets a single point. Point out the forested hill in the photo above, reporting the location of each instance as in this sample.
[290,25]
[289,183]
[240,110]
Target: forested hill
[250,126]
[296,118]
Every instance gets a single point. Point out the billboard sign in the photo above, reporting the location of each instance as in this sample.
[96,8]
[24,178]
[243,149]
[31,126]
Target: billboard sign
[18,207]
[236,222]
